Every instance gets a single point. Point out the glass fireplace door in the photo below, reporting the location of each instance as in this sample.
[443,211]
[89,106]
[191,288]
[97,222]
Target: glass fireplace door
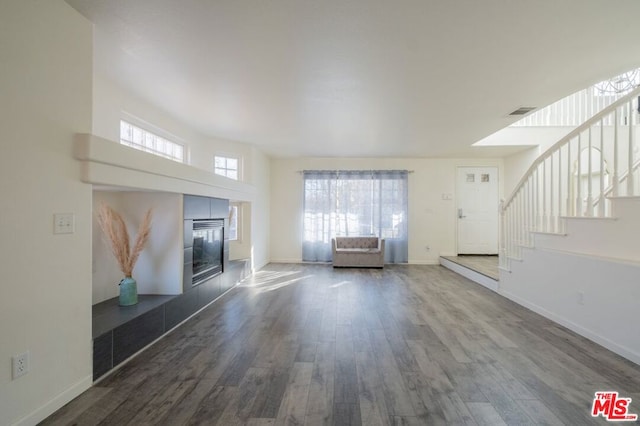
[208,240]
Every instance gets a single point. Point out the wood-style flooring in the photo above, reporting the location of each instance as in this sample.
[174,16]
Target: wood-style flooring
[407,345]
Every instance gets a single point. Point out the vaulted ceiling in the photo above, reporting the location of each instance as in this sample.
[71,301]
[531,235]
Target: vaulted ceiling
[365,78]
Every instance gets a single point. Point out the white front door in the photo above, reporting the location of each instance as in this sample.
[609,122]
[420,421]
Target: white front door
[477,195]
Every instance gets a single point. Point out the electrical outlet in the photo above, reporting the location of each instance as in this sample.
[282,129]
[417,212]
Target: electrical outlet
[20,365]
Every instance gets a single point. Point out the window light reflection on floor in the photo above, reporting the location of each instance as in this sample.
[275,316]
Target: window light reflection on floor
[272,280]
[340,284]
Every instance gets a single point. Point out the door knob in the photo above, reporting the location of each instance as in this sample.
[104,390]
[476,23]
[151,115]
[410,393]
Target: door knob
[460,215]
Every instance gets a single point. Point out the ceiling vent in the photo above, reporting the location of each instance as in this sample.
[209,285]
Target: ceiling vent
[523,111]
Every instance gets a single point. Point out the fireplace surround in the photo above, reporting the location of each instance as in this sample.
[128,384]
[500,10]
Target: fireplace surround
[206,245]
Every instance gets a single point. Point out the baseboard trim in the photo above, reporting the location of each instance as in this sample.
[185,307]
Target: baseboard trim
[423,262]
[56,403]
[474,276]
[410,262]
[584,332]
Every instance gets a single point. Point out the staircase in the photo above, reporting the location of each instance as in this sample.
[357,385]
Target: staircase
[570,231]
[579,177]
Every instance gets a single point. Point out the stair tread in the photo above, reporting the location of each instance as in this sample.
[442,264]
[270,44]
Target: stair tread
[527,246]
[588,217]
[623,197]
[559,234]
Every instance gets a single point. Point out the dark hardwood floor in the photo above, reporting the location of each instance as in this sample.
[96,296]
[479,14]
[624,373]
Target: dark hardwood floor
[407,345]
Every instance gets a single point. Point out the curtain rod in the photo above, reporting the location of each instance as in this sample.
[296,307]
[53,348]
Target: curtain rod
[354,170]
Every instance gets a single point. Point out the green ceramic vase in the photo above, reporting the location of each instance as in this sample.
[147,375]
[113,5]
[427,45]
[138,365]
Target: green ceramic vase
[128,292]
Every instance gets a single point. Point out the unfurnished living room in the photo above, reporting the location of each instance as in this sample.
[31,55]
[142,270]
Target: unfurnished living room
[323,213]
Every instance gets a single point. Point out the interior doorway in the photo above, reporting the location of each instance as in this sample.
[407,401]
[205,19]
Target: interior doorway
[477,210]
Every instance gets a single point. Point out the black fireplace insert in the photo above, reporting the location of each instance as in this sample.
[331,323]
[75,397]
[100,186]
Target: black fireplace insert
[208,246]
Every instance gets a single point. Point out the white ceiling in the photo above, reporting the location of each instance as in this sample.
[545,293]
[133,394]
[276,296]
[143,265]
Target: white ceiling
[364,78]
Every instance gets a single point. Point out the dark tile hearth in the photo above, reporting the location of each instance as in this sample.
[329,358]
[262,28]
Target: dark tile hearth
[108,315]
[119,332]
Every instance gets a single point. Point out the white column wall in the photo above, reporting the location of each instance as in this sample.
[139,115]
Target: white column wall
[45,295]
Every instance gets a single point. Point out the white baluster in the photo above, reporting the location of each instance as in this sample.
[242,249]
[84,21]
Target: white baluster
[552,217]
[518,226]
[511,229]
[544,195]
[529,212]
[516,229]
[559,190]
[579,179]
[630,190]
[589,208]
[502,252]
[569,201]
[614,174]
[522,221]
[630,175]
[601,199]
[507,235]
[536,199]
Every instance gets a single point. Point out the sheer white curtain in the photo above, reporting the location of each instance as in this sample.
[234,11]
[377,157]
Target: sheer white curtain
[355,203]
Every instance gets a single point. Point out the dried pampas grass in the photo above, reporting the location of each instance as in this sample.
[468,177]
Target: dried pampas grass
[115,230]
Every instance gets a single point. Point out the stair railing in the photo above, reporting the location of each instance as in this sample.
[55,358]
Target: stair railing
[574,178]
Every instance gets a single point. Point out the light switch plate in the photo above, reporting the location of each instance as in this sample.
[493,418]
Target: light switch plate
[63,223]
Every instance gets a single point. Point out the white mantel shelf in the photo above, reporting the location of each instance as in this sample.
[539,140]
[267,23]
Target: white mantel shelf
[111,164]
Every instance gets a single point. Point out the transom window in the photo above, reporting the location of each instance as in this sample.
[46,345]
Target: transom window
[226,166]
[141,139]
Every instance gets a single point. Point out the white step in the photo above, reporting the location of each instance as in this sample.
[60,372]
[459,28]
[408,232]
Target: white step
[605,237]
[622,205]
[475,276]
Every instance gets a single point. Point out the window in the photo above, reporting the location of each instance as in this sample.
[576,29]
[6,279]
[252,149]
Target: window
[226,166]
[619,85]
[355,203]
[233,223]
[138,138]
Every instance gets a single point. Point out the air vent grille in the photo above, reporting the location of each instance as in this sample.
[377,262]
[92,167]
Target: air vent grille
[523,110]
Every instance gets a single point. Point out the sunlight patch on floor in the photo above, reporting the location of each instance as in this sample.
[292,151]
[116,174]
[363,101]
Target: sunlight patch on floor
[266,281]
[340,284]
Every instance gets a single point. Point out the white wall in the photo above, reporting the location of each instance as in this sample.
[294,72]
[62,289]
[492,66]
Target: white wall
[241,249]
[594,297]
[112,103]
[516,165]
[261,233]
[537,140]
[45,296]
[432,220]
[159,267]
